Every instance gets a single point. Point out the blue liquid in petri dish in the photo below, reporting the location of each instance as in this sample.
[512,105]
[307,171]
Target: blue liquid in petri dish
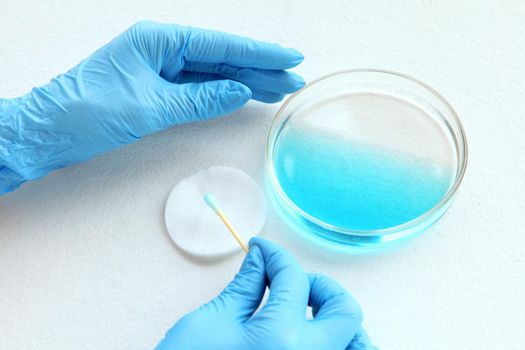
[356,186]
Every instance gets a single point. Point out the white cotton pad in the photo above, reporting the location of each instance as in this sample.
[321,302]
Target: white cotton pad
[196,229]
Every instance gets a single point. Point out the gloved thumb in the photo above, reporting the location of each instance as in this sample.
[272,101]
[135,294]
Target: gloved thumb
[244,294]
[183,103]
[337,316]
[288,282]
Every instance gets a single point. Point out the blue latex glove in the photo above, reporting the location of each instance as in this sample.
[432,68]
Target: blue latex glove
[149,78]
[228,322]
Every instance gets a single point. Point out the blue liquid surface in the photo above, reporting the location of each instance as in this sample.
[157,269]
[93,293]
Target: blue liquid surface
[356,186]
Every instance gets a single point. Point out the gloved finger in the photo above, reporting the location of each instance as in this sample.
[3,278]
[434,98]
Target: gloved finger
[199,101]
[335,311]
[266,96]
[197,77]
[279,81]
[259,95]
[361,341]
[289,287]
[244,294]
[217,47]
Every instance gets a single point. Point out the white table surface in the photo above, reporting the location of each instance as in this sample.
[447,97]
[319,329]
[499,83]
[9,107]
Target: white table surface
[86,262]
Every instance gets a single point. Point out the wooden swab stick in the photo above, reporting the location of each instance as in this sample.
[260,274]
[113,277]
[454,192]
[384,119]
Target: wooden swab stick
[212,203]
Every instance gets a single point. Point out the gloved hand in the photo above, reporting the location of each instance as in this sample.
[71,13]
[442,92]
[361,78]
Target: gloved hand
[229,321]
[147,79]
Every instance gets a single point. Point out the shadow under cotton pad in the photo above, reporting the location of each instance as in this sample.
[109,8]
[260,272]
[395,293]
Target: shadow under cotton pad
[196,229]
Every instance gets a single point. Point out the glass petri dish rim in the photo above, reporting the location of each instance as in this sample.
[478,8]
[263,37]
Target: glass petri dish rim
[461,151]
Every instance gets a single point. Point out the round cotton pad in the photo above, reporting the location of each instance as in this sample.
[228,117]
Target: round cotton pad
[195,228]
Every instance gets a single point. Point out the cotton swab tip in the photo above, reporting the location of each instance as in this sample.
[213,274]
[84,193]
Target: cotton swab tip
[212,203]
[210,200]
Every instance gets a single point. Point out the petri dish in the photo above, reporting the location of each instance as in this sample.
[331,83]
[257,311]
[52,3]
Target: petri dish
[365,157]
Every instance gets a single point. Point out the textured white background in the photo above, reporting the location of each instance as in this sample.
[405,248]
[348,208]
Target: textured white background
[86,263]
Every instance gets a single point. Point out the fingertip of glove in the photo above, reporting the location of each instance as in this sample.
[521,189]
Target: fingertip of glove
[269,249]
[254,259]
[239,90]
[235,86]
[256,242]
[295,57]
[252,243]
[255,251]
[229,94]
[262,245]
[298,81]
[266,96]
